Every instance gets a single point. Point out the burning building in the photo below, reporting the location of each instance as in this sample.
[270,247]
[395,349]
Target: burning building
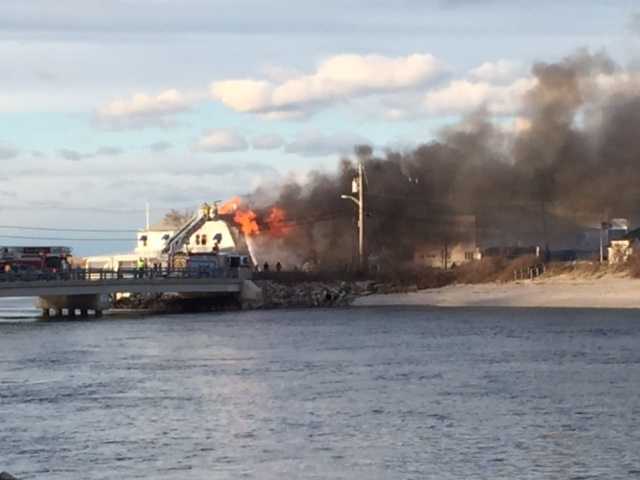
[205,233]
[546,185]
[454,245]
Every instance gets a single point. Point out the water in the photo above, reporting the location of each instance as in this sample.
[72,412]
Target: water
[394,393]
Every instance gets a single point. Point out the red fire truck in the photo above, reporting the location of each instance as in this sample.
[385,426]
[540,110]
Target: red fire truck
[45,259]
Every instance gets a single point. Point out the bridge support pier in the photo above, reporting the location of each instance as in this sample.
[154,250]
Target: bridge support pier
[250,295]
[69,304]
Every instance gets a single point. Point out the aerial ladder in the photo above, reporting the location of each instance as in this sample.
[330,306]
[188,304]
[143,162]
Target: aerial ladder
[176,243]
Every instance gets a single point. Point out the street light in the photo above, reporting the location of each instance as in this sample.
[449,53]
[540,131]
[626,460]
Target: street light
[358,187]
[349,197]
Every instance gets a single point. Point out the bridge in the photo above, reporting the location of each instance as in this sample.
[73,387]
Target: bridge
[92,290]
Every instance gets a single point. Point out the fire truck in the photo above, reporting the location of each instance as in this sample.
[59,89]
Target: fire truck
[45,259]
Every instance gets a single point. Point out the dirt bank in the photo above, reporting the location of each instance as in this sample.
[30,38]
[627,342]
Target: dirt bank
[561,291]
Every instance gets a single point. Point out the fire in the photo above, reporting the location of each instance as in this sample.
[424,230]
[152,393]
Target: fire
[247,220]
[277,222]
[230,206]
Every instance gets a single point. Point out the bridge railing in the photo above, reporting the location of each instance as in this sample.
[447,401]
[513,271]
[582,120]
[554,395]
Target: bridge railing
[96,274]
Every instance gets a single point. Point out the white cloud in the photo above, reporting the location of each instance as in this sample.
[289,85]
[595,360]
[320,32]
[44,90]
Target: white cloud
[338,78]
[394,114]
[465,96]
[498,71]
[617,83]
[142,110]
[8,152]
[314,143]
[221,140]
[243,95]
[267,142]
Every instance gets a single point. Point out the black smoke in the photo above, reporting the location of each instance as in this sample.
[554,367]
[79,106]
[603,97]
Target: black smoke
[577,164]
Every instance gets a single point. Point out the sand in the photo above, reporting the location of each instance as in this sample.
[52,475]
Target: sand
[606,292]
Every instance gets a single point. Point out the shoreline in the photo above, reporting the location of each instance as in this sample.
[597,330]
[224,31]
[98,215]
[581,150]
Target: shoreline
[556,292]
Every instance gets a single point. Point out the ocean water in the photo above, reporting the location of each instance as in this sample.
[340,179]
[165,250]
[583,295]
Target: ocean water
[389,393]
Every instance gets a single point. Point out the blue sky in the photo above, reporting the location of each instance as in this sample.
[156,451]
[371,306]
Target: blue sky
[108,104]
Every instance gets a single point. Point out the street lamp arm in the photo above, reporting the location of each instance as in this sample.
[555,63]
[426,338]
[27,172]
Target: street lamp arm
[349,197]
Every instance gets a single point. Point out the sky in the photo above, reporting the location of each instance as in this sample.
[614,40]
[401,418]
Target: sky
[106,105]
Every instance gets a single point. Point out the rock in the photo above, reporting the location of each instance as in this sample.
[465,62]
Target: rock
[7,476]
[306,294]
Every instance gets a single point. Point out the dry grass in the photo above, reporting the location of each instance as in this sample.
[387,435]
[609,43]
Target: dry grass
[494,269]
[585,270]
[487,270]
[633,265]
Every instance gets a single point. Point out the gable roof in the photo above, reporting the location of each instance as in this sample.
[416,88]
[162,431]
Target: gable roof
[632,235]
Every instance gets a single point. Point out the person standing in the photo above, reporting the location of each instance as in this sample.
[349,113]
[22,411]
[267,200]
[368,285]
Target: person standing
[140,268]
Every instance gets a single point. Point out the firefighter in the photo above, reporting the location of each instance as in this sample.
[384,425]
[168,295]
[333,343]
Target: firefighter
[278,267]
[140,268]
[265,267]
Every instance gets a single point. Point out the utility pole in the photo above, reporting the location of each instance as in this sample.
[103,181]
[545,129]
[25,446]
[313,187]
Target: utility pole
[601,243]
[445,254]
[361,213]
[603,226]
[357,186]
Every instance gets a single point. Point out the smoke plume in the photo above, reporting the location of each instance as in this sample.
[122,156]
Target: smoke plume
[573,162]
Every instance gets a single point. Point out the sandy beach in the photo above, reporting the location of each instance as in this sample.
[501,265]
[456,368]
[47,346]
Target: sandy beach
[606,292]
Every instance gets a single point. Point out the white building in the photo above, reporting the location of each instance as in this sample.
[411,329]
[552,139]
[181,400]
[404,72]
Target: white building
[204,233]
[153,241]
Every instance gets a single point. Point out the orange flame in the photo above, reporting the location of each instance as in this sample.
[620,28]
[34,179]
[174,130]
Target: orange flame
[230,206]
[247,221]
[277,222]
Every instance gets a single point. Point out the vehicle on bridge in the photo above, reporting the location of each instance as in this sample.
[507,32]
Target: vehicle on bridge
[47,259]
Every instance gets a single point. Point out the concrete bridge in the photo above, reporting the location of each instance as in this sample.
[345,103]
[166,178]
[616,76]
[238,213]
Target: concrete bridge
[86,291]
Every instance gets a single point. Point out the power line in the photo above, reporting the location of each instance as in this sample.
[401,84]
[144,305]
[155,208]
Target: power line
[63,239]
[58,229]
[72,208]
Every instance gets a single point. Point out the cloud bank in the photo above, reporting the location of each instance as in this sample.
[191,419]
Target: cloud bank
[336,79]
[221,140]
[143,110]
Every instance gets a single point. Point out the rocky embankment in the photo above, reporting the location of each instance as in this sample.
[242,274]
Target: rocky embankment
[320,294]
[275,294]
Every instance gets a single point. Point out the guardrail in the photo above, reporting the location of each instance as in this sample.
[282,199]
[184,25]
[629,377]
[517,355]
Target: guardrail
[528,273]
[93,274]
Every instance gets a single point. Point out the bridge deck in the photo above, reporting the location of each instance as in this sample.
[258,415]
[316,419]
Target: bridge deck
[44,288]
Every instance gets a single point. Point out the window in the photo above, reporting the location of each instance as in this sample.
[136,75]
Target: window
[203,239]
[143,239]
[197,239]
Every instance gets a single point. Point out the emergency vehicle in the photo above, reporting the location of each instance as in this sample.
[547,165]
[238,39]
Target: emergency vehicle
[48,259]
